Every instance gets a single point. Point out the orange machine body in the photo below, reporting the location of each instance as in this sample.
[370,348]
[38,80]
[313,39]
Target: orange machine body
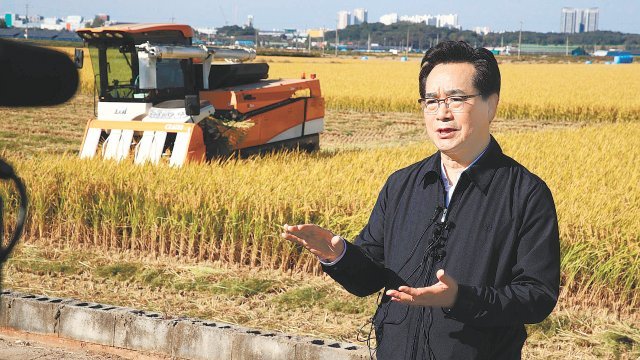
[267,125]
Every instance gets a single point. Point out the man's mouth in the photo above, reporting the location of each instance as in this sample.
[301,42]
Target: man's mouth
[445,131]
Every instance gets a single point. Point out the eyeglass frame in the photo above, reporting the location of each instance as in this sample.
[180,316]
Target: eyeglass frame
[421,101]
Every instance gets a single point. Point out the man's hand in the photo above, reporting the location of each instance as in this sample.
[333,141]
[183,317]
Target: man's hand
[320,242]
[442,294]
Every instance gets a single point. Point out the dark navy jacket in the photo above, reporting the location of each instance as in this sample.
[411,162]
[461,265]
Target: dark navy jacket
[499,242]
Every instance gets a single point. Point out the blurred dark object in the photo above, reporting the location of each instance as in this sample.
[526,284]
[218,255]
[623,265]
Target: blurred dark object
[7,173]
[30,76]
[35,76]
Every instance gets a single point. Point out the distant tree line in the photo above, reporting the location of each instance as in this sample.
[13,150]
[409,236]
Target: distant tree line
[422,36]
[235,30]
[97,22]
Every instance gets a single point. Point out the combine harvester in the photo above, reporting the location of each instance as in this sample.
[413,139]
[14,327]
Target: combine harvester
[161,97]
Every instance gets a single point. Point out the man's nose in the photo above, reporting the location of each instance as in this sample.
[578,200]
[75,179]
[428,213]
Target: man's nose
[443,113]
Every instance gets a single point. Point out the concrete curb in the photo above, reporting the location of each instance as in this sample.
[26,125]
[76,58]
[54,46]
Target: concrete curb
[152,332]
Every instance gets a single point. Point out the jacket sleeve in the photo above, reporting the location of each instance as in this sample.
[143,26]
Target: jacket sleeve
[361,270]
[534,290]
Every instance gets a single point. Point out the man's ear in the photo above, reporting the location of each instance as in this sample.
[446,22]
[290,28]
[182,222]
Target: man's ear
[493,101]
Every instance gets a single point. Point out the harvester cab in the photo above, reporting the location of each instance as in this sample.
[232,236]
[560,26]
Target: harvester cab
[162,97]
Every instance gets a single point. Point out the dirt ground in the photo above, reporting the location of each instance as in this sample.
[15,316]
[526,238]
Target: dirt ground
[60,129]
[19,345]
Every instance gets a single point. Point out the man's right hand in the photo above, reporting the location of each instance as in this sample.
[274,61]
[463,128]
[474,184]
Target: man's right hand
[320,242]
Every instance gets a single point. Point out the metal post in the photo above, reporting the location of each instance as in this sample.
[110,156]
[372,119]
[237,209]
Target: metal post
[406,51]
[26,31]
[336,38]
[520,40]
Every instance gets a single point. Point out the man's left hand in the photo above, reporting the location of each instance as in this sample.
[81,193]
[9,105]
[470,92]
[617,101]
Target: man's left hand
[442,294]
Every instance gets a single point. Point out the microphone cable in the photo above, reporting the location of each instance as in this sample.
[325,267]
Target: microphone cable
[438,210]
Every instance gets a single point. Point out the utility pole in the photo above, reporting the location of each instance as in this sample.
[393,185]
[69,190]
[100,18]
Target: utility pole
[567,47]
[256,38]
[520,40]
[406,51]
[369,43]
[309,39]
[336,38]
[26,31]
[223,16]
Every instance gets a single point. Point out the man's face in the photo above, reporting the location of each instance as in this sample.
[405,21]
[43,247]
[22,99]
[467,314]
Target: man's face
[458,134]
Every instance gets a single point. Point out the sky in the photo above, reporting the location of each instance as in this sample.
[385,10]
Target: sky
[498,15]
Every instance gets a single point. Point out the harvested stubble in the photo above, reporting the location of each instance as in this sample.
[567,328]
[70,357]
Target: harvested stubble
[233,211]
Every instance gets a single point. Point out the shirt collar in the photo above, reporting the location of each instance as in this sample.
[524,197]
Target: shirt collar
[442,170]
[481,171]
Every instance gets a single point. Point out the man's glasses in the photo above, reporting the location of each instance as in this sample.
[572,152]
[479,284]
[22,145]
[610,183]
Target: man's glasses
[455,103]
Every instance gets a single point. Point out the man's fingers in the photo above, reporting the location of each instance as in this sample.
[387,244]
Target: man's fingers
[293,238]
[444,278]
[301,242]
[406,294]
[399,296]
[409,290]
[292,228]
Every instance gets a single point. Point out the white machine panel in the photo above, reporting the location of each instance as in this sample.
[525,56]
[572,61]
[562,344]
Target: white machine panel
[121,111]
[310,127]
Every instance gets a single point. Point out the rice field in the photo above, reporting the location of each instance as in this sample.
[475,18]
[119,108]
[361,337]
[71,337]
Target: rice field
[551,92]
[575,92]
[232,211]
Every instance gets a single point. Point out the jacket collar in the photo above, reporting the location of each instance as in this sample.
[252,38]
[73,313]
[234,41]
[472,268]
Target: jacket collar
[481,172]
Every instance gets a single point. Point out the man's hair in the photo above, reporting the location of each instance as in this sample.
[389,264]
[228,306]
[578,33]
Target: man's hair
[487,77]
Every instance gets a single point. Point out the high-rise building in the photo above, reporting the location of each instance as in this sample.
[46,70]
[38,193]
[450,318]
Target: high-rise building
[482,30]
[449,21]
[568,20]
[579,20]
[360,16]
[590,19]
[344,19]
[389,19]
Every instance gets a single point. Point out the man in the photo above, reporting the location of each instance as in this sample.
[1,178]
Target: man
[465,242]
